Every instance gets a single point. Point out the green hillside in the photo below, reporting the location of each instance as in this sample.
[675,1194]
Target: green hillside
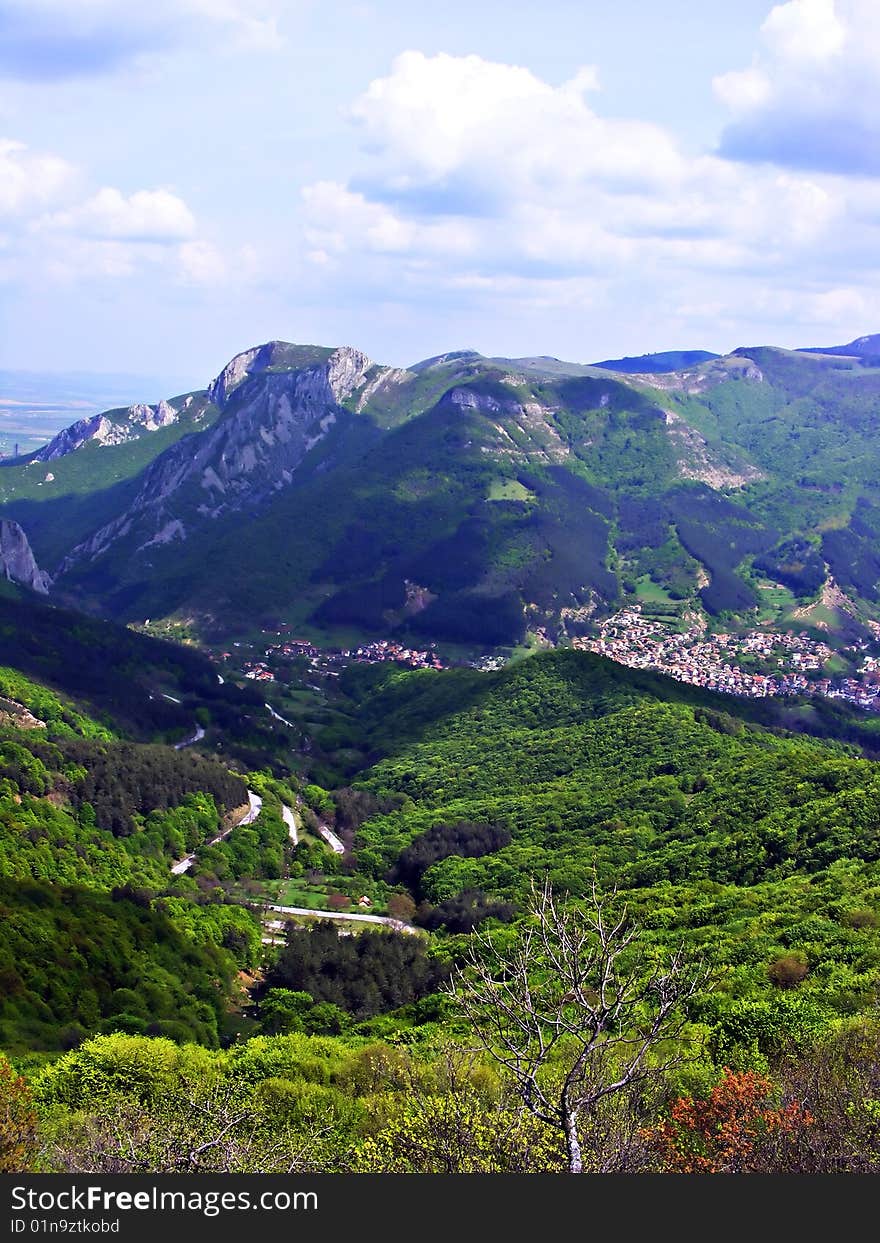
[739,835]
[88,828]
[746,832]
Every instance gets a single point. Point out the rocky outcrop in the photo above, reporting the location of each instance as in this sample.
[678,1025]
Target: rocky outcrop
[697,380]
[126,425]
[696,460]
[18,716]
[17,560]
[271,417]
[471,399]
[245,364]
[345,367]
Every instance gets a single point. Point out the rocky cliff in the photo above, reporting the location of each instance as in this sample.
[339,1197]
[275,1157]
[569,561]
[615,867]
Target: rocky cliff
[126,425]
[17,560]
[277,402]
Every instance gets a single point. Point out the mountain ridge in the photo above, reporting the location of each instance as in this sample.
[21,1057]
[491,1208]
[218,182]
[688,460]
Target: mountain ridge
[474,499]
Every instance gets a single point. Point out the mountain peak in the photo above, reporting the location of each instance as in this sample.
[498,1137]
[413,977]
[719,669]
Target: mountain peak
[280,356]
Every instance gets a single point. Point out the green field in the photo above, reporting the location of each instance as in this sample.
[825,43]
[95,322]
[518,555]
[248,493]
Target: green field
[649,592]
[509,490]
[773,600]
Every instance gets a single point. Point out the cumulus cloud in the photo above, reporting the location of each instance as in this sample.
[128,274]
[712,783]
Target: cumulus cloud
[46,40]
[480,184]
[30,180]
[54,226]
[144,216]
[811,97]
[486,167]
[444,128]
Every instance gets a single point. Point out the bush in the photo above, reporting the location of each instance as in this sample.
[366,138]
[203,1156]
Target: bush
[18,1121]
[788,970]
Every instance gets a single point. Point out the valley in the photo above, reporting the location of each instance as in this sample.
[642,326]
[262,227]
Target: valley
[309,677]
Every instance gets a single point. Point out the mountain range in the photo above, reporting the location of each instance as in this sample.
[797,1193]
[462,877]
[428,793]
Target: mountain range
[464,500]
[471,500]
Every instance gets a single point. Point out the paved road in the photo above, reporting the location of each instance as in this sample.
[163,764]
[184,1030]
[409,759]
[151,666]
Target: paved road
[290,820]
[283,720]
[331,839]
[192,740]
[397,924]
[255,804]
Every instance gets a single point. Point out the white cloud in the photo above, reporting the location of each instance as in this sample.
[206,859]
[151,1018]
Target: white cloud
[811,97]
[483,186]
[463,117]
[743,90]
[144,216]
[805,30]
[56,228]
[29,180]
[483,165]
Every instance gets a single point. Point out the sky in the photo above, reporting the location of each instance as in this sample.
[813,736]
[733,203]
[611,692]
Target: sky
[182,179]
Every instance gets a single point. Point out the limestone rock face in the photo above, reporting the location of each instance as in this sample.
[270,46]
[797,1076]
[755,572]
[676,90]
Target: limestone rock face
[17,560]
[130,424]
[277,402]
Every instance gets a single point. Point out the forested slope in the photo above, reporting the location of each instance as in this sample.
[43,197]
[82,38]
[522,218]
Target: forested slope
[732,832]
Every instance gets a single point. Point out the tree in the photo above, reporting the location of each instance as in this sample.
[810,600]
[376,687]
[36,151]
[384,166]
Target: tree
[838,1081]
[401,907]
[454,1117]
[18,1121]
[728,1132]
[788,970]
[575,1012]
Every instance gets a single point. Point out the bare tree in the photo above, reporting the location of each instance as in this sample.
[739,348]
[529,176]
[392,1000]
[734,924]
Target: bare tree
[576,1013]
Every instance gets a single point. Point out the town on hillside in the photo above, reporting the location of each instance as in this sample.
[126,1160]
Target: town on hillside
[755,663]
[790,664]
[328,660]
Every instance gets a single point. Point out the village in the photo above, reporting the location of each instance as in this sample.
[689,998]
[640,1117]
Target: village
[755,664]
[791,664]
[328,660]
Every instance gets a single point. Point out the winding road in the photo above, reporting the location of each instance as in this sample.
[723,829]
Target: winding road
[278,717]
[331,839]
[255,805]
[195,737]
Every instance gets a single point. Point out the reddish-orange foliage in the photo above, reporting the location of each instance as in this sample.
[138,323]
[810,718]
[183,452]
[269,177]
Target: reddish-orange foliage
[726,1132]
[18,1121]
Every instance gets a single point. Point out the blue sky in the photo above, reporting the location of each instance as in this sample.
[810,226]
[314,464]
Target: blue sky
[182,179]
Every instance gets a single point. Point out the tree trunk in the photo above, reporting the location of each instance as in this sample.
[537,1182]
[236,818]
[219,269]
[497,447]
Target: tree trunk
[572,1145]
